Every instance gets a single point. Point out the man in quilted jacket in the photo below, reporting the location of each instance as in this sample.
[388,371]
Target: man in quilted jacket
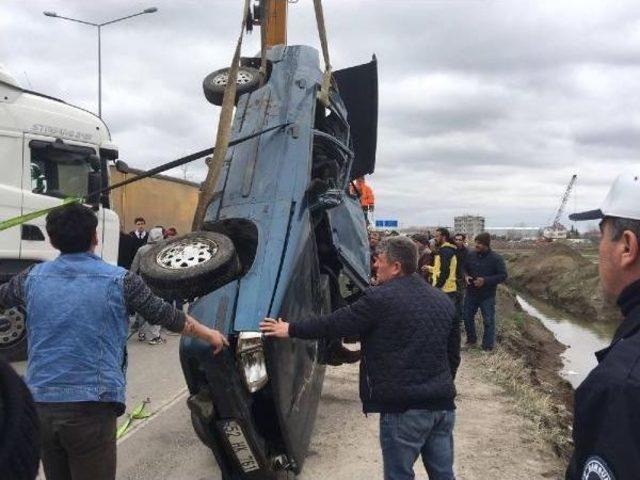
[404,325]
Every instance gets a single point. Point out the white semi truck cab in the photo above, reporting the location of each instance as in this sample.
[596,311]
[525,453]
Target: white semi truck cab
[49,151]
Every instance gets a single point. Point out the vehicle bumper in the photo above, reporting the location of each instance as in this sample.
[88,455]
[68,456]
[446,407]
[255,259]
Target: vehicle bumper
[221,412]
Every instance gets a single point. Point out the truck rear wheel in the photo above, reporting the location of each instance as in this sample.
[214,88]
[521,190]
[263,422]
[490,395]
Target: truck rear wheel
[13,335]
[190,266]
[215,83]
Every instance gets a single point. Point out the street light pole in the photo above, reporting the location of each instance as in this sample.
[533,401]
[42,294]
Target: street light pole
[99,27]
[99,72]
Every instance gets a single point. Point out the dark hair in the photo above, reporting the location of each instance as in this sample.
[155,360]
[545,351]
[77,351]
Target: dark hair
[400,249]
[71,228]
[139,219]
[444,232]
[464,237]
[484,238]
[420,238]
[620,225]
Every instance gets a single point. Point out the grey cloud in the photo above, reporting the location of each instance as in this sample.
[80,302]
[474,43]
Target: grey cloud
[424,122]
[493,37]
[617,136]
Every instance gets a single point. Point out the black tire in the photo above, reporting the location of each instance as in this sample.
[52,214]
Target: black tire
[190,266]
[13,335]
[215,83]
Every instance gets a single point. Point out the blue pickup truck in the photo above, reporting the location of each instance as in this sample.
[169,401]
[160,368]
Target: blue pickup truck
[284,237]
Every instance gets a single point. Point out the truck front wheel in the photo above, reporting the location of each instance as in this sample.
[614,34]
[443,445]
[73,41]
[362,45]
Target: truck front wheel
[13,335]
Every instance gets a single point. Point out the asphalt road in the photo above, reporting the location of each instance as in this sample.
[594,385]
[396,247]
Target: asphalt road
[153,372]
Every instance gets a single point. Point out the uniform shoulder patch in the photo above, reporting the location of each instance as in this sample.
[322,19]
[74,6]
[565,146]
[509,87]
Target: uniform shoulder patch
[595,468]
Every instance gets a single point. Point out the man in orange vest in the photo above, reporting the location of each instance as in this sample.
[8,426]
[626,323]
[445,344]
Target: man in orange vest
[365,192]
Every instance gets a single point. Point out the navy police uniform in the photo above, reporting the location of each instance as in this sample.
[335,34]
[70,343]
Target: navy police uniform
[606,427]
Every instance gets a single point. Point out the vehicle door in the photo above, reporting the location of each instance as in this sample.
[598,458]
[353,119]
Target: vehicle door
[358,90]
[349,231]
[10,191]
[52,171]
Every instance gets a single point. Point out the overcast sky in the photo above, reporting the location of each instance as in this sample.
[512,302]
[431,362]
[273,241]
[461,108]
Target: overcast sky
[486,107]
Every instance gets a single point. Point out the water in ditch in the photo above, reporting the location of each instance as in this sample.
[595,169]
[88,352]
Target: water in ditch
[582,338]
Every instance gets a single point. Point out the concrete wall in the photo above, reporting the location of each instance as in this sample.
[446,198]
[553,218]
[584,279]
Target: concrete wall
[161,200]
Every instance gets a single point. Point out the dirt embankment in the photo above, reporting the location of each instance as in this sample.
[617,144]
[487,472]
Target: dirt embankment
[527,363]
[561,275]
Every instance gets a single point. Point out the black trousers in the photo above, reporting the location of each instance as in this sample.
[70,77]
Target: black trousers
[453,346]
[78,440]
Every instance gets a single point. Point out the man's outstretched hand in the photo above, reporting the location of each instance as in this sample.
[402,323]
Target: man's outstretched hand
[194,328]
[275,328]
[217,340]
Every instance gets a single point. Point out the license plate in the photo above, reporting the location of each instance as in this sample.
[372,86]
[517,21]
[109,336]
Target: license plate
[240,446]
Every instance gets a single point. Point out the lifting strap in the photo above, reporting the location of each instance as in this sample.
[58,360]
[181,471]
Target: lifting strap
[139,413]
[207,191]
[323,96]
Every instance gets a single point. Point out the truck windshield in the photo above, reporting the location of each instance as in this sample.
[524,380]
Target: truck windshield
[59,172]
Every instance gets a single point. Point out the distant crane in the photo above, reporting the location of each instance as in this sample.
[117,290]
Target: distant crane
[558,231]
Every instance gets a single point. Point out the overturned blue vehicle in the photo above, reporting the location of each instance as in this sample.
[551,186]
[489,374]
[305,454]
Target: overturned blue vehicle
[283,238]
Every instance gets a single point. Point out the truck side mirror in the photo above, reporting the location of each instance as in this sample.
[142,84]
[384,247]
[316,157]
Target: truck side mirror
[94,186]
[94,163]
[122,167]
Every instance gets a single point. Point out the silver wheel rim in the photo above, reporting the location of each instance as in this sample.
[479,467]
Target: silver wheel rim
[12,326]
[187,253]
[222,78]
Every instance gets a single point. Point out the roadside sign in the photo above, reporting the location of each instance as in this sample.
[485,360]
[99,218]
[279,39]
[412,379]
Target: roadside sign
[386,223]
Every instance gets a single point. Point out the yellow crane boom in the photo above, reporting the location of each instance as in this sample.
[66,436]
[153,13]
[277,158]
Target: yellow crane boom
[271,15]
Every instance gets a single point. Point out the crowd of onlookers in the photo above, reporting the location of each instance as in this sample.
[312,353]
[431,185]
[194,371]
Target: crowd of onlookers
[468,277]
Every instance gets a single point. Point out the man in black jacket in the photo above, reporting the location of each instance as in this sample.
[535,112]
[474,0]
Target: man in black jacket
[404,326]
[606,422]
[459,240]
[140,234]
[484,270]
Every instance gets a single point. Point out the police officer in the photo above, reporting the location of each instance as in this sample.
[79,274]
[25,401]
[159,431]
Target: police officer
[606,429]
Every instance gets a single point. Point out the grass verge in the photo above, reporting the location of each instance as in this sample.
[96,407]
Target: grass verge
[526,363]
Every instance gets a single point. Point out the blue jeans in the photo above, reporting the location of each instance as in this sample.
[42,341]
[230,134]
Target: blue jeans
[405,436]
[487,308]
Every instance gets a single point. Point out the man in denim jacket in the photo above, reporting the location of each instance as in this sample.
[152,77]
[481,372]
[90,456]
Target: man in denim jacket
[77,324]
